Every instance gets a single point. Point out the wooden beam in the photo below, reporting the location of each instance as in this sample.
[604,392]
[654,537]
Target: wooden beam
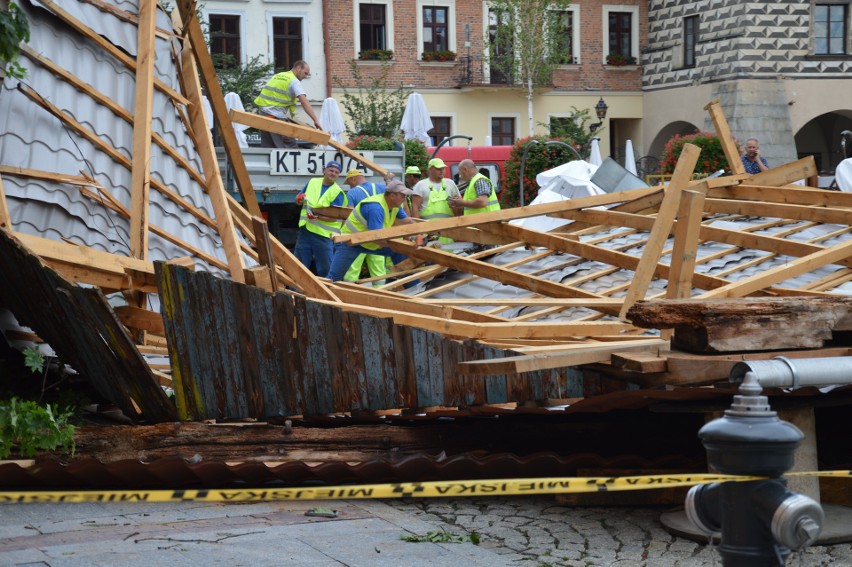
[5,219]
[662,226]
[140,182]
[726,139]
[192,29]
[280,127]
[264,249]
[379,170]
[787,195]
[685,248]
[784,174]
[527,301]
[108,47]
[781,211]
[438,225]
[140,319]
[210,164]
[570,356]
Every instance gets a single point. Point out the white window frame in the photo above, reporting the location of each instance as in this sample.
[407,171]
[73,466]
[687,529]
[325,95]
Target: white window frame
[306,54]
[574,12]
[451,23]
[634,25]
[356,23]
[243,28]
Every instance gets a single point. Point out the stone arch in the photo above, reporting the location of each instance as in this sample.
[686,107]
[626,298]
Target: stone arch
[820,137]
[679,127]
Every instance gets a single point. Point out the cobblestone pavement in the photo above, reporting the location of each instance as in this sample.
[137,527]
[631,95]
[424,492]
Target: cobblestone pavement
[538,532]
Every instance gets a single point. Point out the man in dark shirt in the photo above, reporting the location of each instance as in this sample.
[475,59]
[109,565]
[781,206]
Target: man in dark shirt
[753,162]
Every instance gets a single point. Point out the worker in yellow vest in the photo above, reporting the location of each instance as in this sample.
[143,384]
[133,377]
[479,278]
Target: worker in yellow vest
[313,242]
[277,99]
[379,211]
[479,196]
[359,190]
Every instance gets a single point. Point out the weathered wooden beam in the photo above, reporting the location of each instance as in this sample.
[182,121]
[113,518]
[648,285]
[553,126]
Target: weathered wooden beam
[726,139]
[192,29]
[775,210]
[662,226]
[684,252]
[140,319]
[5,219]
[784,174]
[264,250]
[747,324]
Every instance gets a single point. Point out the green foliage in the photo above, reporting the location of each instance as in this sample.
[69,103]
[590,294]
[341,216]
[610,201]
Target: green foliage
[14,28]
[415,151]
[28,428]
[574,130]
[711,159]
[34,359]
[375,55]
[443,537]
[445,55]
[540,157]
[245,80]
[374,109]
[416,154]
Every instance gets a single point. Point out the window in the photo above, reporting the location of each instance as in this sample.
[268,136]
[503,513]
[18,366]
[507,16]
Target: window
[569,42]
[502,131]
[501,46]
[286,42]
[373,26]
[441,128]
[830,29]
[690,39]
[620,33]
[225,39]
[435,29]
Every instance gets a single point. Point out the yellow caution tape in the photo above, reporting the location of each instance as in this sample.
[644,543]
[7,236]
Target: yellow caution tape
[434,489]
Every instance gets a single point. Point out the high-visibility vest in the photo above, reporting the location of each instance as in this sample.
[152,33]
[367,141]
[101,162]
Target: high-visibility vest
[370,189]
[276,92]
[315,198]
[357,223]
[437,206]
[470,194]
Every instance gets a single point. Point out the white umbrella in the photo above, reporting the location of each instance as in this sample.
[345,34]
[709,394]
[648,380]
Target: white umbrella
[415,120]
[208,111]
[233,101]
[595,155]
[629,160]
[331,120]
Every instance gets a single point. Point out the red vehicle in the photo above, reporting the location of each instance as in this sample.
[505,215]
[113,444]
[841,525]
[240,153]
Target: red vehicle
[491,160]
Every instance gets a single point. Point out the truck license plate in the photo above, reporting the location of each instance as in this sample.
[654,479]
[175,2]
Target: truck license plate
[311,162]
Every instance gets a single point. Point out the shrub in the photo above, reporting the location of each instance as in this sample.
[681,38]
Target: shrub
[415,151]
[375,108]
[27,428]
[540,157]
[711,159]
[446,55]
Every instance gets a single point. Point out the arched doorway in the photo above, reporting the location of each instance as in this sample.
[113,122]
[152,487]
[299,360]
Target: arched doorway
[820,137]
[666,132]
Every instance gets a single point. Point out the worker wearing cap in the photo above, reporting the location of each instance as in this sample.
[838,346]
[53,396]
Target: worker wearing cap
[277,99]
[379,211]
[430,195]
[313,243]
[479,197]
[359,190]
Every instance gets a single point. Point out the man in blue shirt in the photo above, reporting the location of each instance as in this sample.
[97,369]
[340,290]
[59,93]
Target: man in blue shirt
[373,213]
[359,190]
[313,242]
[753,162]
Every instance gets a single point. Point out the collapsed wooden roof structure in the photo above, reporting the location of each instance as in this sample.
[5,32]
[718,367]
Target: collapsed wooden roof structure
[107,166]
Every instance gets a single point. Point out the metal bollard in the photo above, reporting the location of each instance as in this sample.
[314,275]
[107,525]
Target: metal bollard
[760,521]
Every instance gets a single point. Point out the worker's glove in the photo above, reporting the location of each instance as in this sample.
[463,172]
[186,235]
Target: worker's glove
[300,198]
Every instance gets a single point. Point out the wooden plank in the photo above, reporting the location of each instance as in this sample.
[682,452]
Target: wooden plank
[726,139]
[109,48]
[775,210]
[377,169]
[784,174]
[280,127]
[662,226]
[789,195]
[437,225]
[5,218]
[568,357]
[192,29]
[140,319]
[643,362]
[685,248]
[264,249]
[140,182]
[210,164]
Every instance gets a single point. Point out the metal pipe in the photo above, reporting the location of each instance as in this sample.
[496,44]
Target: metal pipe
[794,373]
[453,137]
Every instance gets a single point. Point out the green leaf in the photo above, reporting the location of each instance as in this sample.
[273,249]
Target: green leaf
[34,359]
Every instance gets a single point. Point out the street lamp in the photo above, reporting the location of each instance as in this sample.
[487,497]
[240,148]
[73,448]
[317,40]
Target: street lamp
[600,110]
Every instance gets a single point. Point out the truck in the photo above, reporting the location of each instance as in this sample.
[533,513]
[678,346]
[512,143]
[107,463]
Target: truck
[491,160]
[279,174]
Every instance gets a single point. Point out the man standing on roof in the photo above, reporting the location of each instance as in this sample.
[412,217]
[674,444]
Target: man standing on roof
[278,100]
[359,190]
[479,196]
[753,162]
[429,200]
[379,211]
[313,243]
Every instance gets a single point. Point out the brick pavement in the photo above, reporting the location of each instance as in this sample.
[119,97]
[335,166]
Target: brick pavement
[535,531]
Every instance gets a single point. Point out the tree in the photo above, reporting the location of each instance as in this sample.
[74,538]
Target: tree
[527,39]
[375,109]
[246,80]
[14,28]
